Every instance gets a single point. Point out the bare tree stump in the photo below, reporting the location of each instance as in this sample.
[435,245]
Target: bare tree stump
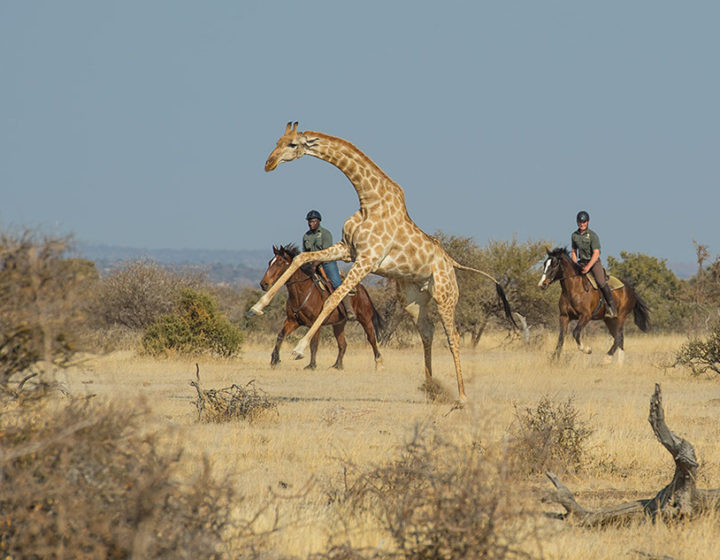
[680,499]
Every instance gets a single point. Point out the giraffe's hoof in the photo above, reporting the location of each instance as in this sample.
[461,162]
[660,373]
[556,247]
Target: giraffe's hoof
[254,311]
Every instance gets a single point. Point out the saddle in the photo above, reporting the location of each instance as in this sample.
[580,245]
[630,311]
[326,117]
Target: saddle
[324,285]
[613,281]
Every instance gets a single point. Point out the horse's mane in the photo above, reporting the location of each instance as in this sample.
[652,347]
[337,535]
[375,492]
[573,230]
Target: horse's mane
[562,252]
[291,250]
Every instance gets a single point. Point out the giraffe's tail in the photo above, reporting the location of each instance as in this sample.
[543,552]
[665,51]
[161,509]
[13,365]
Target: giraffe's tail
[498,288]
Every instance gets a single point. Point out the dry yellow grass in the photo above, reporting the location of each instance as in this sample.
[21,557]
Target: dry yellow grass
[327,419]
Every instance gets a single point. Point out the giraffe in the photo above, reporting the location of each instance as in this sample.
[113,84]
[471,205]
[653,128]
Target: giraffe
[379,238]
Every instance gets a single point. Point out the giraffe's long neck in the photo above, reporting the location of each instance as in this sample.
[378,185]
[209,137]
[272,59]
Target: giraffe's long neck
[372,185]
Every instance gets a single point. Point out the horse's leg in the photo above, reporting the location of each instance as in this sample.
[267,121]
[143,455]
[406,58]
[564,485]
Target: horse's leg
[415,301]
[314,342]
[564,322]
[364,312]
[339,332]
[288,327]
[360,270]
[339,251]
[613,326]
[583,320]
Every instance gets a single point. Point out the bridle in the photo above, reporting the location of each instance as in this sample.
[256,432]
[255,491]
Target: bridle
[563,277]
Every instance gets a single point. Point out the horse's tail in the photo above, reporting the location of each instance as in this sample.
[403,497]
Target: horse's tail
[377,321]
[498,289]
[641,313]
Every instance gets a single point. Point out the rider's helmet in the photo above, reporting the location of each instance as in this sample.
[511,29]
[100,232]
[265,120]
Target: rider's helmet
[583,216]
[313,214]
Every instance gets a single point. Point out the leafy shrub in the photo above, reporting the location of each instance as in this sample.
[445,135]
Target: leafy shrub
[701,355]
[139,292]
[195,327]
[551,437]
[86,480]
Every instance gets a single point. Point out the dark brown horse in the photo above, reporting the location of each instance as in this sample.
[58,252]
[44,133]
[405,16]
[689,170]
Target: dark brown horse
[579,300]
[305,301]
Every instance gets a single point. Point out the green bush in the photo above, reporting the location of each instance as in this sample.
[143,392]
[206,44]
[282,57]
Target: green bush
[196,327]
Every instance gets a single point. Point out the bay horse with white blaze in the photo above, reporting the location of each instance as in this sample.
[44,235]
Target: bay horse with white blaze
[579,300]
[305,302]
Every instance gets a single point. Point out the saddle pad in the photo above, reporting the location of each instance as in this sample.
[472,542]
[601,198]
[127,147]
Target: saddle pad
[614,282]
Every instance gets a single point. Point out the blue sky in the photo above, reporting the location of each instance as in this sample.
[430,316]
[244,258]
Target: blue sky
[147,124]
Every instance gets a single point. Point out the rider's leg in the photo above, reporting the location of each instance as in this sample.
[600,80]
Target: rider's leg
[599,273]
[331,270]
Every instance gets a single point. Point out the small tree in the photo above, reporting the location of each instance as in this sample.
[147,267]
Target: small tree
[660,288]
[514,264]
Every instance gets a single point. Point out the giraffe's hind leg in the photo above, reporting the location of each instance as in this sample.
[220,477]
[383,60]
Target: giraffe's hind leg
[446,295]
[415,301]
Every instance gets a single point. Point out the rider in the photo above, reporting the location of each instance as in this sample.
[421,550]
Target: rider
[318,238]
[586,252]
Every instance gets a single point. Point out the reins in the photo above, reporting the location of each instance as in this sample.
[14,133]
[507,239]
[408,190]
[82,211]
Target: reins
[307,296]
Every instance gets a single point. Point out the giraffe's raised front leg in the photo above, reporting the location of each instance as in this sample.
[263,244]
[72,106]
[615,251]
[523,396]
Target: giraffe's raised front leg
[358,271]
[339,251]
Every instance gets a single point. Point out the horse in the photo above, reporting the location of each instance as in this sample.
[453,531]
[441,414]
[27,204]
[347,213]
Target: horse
[579,300]
[305,301]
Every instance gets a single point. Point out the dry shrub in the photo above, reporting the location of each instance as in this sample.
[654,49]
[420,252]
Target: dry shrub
[701,355]
[231,403]
[87,480]
[550,437]
[83,481]
[440,499]
[40,309]
[137,293]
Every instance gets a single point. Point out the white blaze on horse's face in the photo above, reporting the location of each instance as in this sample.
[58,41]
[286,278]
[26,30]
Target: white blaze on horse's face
[546,266]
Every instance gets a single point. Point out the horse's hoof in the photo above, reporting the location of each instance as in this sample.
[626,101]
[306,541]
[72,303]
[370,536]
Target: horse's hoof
[607,360]
[297,355]
[254,311]
[310,366]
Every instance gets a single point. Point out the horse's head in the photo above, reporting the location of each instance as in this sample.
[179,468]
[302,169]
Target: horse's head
[281,260]
[291,145]
[552,267]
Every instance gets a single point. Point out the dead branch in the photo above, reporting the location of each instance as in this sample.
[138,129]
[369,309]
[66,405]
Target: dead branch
[678,500]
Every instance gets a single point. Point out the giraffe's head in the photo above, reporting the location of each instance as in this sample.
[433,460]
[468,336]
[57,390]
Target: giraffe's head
[292,145]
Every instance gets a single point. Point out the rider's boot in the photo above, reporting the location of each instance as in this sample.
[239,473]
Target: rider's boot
[349,311]
[610,309]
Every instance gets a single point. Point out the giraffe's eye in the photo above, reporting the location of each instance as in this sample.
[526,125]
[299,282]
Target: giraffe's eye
[292,145]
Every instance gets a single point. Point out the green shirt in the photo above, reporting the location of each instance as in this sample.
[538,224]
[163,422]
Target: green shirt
[317,240]
[585,243]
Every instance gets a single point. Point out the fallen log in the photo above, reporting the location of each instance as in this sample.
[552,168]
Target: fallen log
[680,499]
